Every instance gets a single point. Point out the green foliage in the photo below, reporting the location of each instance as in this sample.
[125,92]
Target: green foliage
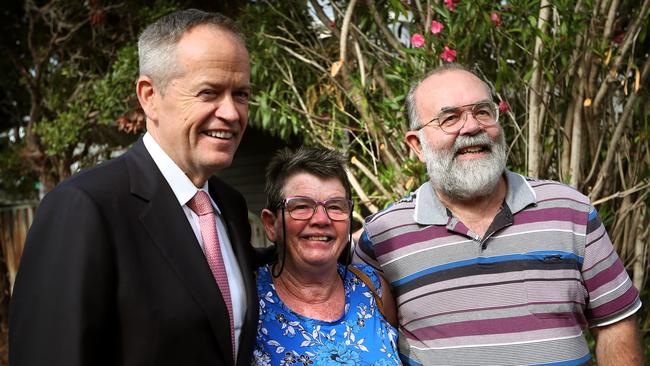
[293,55]
[61,134]
[299,93]
[15,182]
[110,94]
[97,101]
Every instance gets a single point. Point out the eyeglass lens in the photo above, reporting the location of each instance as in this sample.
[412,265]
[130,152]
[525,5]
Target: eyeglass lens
[303,208]
[450,119]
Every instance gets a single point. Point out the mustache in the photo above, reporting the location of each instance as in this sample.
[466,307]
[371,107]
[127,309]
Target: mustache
[463,141]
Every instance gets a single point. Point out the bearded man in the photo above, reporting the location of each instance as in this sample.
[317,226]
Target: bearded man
[489,267]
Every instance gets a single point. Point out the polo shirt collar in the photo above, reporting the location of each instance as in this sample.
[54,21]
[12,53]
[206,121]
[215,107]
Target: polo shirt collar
[430,211]
[520,194]
[428,208]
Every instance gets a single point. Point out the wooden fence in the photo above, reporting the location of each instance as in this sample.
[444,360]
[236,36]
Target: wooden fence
[14,223]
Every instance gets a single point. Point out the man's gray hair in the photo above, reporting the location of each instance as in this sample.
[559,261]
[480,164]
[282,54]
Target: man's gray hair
[157,43]
[414,118]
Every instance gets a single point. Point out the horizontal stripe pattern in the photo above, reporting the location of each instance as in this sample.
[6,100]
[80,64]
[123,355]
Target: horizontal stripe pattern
[542,278]
[542,351]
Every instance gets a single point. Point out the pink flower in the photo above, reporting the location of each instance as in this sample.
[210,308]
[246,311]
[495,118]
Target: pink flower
[448,55]
[496,18]
[450,4]
[436,27]
[417,40]
[503,106]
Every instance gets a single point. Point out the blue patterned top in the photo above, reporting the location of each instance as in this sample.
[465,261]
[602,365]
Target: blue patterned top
[361,337]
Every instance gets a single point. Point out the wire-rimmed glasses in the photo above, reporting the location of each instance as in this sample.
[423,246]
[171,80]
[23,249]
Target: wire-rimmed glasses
[451,120]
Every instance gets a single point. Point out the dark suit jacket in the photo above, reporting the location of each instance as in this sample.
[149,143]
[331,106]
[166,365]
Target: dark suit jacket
[112,274]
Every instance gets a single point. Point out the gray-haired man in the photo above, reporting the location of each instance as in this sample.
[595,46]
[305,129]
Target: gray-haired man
[120,266]
[489,267]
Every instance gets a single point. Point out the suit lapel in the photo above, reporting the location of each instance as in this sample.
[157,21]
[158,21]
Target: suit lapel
[166,223]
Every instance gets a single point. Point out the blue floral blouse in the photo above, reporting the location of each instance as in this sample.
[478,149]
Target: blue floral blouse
[360,337]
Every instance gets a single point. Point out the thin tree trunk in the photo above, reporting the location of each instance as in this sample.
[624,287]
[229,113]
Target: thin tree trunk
[565,163]
[576,140]
[640,248]
[535,99]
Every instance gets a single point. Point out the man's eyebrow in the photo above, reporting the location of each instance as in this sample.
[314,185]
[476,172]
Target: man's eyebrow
[453,108]
[221,85]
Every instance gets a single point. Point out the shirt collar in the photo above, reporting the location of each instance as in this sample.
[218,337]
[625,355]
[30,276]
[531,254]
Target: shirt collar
[428,208]
[180,184]
[520,194]
[430,211]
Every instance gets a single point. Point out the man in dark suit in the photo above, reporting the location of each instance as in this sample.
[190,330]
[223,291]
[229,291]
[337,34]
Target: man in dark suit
[114,270]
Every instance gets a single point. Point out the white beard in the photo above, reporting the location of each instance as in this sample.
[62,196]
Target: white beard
[466,179]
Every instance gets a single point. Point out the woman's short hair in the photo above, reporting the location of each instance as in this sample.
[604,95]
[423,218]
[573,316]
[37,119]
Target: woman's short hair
[157,43]
[319,161]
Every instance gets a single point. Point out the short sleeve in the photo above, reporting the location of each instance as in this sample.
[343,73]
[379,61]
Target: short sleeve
[364,252]
[612,296]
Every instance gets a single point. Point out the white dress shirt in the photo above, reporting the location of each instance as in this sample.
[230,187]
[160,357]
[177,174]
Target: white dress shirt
[184,190]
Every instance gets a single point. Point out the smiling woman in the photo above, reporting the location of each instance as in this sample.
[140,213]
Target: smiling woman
[312,308]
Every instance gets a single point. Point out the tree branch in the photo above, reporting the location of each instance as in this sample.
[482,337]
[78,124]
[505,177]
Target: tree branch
[345,29]
[327,22]
[363,197]
[630,37]
[373,178]
[388,35]
[618,133]
[620,194]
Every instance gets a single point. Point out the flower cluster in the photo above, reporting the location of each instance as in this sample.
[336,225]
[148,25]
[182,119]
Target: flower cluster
[451,4]
[418,40]
[448,54]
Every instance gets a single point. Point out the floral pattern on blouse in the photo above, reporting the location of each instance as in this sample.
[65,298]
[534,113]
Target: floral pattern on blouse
[361,337]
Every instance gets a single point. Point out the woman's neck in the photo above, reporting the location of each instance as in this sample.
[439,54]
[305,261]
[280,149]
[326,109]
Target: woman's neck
[307,285]
[316,296]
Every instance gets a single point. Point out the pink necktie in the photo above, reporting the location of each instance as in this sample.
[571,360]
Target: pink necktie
[202,206]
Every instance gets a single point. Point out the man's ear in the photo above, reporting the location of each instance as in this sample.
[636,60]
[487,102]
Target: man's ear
[268,220]
[412,138]
[146,96]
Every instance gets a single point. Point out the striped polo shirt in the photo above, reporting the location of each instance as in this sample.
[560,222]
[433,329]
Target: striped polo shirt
[520,295]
